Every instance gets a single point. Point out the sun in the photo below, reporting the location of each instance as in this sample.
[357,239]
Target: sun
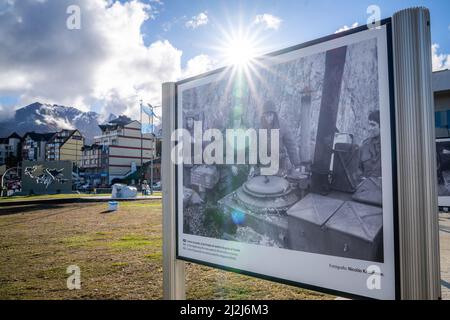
[240,52]
[239,46]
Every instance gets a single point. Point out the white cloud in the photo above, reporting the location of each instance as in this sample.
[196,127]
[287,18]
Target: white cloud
[345,28]
[106,63]
[441,61]
[269,21]
[5,112]
[199,20]
[197,65]
[51,119]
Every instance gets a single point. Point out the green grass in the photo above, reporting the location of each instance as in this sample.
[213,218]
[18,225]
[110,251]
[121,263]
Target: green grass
[97,240]
[131,242]
[119,256]
[154,256]
[120,264]
[133,204]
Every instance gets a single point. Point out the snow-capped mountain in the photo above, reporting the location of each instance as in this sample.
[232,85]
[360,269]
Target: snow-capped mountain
[40,117]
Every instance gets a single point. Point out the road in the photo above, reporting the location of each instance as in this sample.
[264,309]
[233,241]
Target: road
[444,235]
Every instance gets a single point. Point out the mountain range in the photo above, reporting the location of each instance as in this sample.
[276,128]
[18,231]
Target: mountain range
[41,118]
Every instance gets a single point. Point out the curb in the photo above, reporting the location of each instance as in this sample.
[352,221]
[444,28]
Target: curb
[71,200]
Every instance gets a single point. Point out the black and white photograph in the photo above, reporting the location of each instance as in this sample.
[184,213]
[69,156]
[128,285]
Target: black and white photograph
[309,177]
[327,194]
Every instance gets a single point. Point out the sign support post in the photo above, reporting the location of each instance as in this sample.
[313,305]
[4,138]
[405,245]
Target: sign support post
[173,269]
[416,149]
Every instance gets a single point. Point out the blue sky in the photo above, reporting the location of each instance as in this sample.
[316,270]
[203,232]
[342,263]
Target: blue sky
[302,20]
[126,49]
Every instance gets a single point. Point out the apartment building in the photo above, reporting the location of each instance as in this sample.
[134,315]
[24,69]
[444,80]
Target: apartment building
[10,148]
[65,145]
[441,89]
[125,147]
[33,145]
[95,164]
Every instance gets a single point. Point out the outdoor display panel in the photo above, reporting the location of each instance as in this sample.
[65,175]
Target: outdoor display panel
[443,171]
[46,177]
[325,218]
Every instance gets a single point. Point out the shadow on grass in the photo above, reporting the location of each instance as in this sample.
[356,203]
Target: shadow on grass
[27,208]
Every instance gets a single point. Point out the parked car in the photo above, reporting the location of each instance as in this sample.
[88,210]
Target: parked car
[157,186]
[86,188]
[14,186]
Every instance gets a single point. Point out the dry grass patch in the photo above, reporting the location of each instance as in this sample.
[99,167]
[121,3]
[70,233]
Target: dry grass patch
[119,254]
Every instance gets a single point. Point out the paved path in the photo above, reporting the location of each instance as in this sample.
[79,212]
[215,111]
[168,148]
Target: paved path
[444,235]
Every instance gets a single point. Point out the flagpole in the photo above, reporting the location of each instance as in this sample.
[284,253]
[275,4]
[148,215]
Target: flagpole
[153,155]
[142,163]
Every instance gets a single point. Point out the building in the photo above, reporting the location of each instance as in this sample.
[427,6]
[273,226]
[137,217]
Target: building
[10,149]
[33,145]
[125,147]
[441,89]
[95,165]
[65,145]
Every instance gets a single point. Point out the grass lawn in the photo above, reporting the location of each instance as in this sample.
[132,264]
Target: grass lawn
[119,254]
[60,196]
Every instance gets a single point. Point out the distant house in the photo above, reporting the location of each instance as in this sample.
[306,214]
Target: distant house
[95,164]
[125,147]
[156,170]
[441,89]
[65,145]
[33,145]
[10,148]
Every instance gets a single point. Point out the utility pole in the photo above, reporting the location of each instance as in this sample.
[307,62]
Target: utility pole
[149,110]
[152,115]
[151,163]
[142,157]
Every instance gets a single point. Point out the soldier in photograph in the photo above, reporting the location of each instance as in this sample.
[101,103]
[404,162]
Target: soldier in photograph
[370,151]
[190,117]
[235,175]
[288,149]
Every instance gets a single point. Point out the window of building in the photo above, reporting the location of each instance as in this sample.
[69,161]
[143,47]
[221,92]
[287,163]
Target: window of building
[442,123]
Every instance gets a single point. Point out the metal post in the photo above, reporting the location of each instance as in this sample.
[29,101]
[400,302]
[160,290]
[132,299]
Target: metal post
[173,269]
[417,197]
[142,157]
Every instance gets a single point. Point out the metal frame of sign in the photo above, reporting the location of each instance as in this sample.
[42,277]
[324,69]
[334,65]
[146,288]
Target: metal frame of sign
[396,295]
